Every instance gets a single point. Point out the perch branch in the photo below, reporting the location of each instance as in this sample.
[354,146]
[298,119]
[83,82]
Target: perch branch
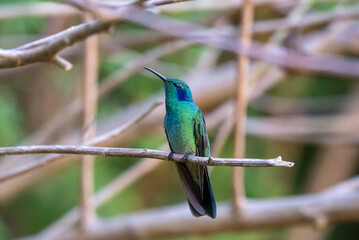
[143,153]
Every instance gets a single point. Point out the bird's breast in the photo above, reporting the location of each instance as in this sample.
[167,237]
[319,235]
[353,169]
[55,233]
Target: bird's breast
[179,128]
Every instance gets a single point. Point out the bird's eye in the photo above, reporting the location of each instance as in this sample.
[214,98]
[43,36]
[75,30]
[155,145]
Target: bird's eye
[178,85]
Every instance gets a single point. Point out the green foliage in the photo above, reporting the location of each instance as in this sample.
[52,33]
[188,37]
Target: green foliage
[345,231]
[301,86]
[3,232]
[11,130]
[325,5]
[42,204]
[24,25]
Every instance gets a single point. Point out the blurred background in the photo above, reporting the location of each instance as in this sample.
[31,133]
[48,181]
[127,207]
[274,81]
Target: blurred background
[310,118]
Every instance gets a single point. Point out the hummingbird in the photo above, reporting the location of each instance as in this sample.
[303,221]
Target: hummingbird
[186,133]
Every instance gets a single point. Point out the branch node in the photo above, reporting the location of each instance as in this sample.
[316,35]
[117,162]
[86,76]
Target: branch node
[279,162]
[320,221]
[209,161]
[105,153]
[62,63]
[10,56]
[111,29]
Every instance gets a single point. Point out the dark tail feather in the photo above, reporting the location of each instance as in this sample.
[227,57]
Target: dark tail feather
[209,204]
[191,189]
[194,211]
[199,204]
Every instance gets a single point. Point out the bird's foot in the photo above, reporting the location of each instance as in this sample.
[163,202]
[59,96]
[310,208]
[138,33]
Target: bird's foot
[170,156]
[186,156]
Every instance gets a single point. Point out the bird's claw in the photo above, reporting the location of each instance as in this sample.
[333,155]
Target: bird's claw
[185,157]
[170,156]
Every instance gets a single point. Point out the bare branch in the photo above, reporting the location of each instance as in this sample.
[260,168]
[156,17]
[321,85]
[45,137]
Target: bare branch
[142,153]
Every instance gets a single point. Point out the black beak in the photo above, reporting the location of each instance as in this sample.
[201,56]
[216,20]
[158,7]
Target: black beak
[158,74]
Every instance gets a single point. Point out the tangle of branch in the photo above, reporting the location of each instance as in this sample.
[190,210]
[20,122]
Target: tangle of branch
[46,49]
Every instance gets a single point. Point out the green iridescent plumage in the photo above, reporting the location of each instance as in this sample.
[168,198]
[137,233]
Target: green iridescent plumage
[186,133]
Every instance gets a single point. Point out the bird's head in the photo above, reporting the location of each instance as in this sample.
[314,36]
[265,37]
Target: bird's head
[176,89]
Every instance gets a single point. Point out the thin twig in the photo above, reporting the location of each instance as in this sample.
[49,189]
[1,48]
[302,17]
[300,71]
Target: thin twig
[142,153]
[241,106]
[62,63]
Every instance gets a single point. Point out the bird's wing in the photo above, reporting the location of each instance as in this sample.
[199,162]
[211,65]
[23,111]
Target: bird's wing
[202,144]
[200,135]
[188,184]
[203,150]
